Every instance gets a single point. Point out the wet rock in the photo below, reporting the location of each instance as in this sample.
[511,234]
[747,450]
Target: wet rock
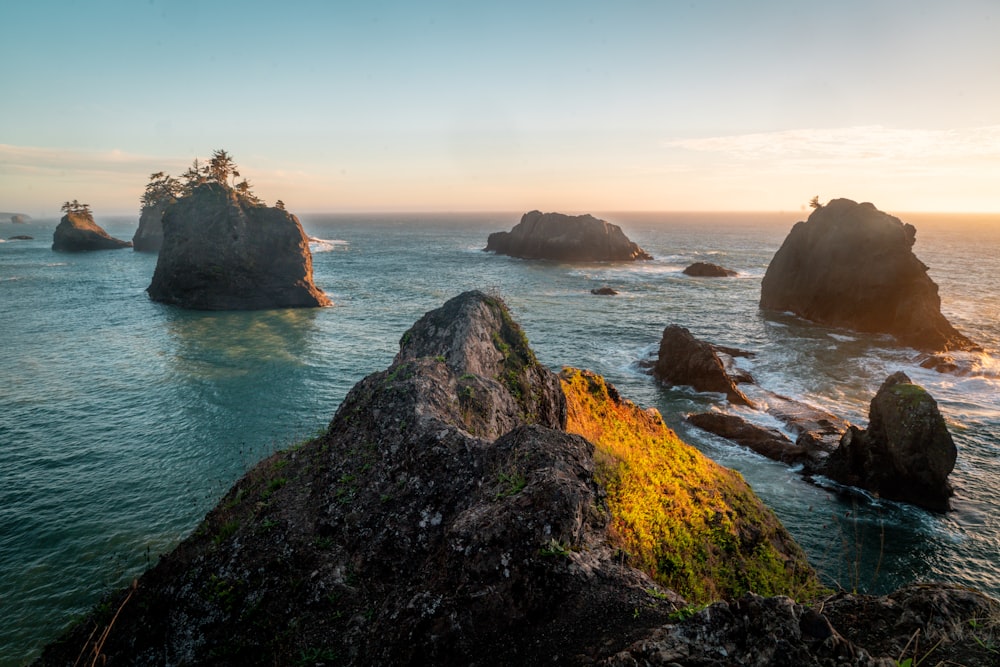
[905,454]
[603,291]
[21,237]
[77,232]
[684,360]
[765,441]
[566,238]
[942,363]
[222,252]
[708,270]
[851,265]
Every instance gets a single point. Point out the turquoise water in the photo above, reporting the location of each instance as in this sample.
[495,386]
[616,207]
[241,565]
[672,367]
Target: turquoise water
[122,421]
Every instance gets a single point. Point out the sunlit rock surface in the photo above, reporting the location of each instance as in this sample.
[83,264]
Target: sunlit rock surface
[77,232]
[566,238]
[220,252]
[851,265]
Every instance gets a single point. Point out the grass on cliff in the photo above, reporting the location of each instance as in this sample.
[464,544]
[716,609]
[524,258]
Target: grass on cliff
[693,525]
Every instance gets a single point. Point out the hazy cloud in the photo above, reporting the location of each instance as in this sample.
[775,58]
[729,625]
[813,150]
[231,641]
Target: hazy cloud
[852,144]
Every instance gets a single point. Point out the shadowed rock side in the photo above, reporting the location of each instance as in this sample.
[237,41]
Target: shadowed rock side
[851,265]
[77,232]
[446,517]
[684,360]
[222,253]
[149,236]
[708,270]
[906,453]
[566,238]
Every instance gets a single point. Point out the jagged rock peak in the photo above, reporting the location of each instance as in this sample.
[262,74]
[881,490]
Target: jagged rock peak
[567,238]
[852,265]
[684,360]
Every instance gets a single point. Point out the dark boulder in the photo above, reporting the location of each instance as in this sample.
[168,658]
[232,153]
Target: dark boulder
[77,232]
[604,291]
[685,360]
[565,238]
[222,252]
[851,265]
[905,454]
[845,630]
[21,237]
[149,236]
[767,442]
[708,270]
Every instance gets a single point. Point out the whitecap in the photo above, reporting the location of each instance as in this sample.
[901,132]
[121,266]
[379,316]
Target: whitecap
[842,338]
[326,245]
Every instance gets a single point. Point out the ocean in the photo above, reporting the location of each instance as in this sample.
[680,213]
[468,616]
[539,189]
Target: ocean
[123,421]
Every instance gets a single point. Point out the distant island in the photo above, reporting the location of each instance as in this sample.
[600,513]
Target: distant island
[16,218]
[565,238]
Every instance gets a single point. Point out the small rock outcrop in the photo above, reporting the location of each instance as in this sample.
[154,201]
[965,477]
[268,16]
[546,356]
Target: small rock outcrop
[21,237]
[223,252]
[905,454]
[684,360]
[20,218]
[565,238]
[77,232]
[767,442]
[446,517]
[149,236]
[604,291]
[708,270]
[851,265]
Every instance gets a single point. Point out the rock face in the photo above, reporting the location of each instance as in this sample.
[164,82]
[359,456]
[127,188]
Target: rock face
[708,270]
[905,454]
[845,630]
[851,265]
[149,236]
[685,360]
[77,232]
[222,253]
[565,238]
[446,517]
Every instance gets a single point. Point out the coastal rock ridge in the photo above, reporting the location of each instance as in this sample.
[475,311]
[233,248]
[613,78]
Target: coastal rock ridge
[465,506]
[565,238]
[77,232]
[221,251]
[851,265]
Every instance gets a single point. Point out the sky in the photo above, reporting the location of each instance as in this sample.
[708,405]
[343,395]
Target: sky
[506,106]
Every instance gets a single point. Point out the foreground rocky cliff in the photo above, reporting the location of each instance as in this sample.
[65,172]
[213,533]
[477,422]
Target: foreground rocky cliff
[77,232]
[565,238]
[221,251]
[449,517]
[851,265]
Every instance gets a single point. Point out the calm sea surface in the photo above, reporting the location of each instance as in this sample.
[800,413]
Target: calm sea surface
[122,421]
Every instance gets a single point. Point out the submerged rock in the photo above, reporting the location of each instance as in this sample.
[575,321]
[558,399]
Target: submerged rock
[851,265]
[604,291]
[447,517]
[684,360]
[221,252]
[708,270]
[566,238]
[77,232]
[20,237]
[767,442]
[905,454]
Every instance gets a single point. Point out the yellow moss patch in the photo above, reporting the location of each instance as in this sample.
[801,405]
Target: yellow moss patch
[693,525]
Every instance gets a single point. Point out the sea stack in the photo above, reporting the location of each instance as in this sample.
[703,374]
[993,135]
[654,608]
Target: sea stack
[684,360]
[708,270]
[905,454]
[565,238]
[77,232]
[851,265]
[149,236]
[223,250]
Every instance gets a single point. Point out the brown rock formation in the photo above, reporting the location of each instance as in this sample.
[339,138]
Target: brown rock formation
[708,270]
[566,238]
[221,252]
[685,360]
[851,265]
[77,232]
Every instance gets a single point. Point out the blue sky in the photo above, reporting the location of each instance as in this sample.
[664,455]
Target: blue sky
[569,106]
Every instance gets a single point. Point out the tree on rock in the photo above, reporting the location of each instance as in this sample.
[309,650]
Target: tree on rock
[221,167]
[162,188]
[75,207]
